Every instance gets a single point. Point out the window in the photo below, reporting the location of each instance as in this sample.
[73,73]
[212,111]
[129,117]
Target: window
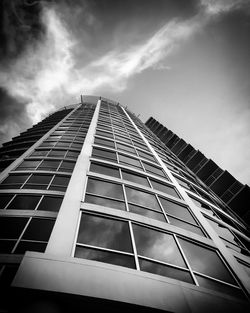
[57,153]
[206,261]
[135,178]
[129,161]
[24,202]
[146,155]
[66,166]
[72,154]
[96,233]
[104,134]
[142,198]
[153,169]
[104,142]
[104,154]
[13,181]
[11,227]
[59,183]
[28,165]
[164,188]
[37,181]
[4,200]
[50,203]
[45,227]
[125,148]
[104,169]
[40,153]
[49,165]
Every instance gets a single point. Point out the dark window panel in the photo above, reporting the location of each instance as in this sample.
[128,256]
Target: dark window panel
[115,204]
[177,210]
[6,246]
[40,153]
[104,154]
[28,165]
[39,179]
[11,227]
[146,155]
[104,134]
[104,188]
[157,245]
[24,202]
[57,153]
[206,261]
[104,232]
[163,270]
[50,203]
[49,165]
[67,166]
[129,161]
[24,246]
[104,142]
[145,212]
[105,256]
[125,148]
[184,225]
[104,169]
[164,188]
[135,178]
[4,200]
[72,154]
[142,198]
[44,226]
[154,170]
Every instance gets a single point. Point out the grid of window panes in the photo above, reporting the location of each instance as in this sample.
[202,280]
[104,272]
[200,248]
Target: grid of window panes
[110,240]
[39,184]
[230,229]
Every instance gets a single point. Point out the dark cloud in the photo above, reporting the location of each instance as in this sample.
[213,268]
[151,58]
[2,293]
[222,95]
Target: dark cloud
[13,117]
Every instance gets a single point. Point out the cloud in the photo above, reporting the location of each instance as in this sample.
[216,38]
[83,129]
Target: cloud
[222,6]
[48,75]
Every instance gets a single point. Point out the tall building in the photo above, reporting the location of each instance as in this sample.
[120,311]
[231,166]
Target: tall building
[94,216]
[233,193]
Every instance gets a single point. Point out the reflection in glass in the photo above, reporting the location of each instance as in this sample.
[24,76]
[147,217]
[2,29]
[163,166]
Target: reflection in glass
[153,169]
[164,188]
[177,210]
[206,261]
[24,202]
[115,204]
[104,232]
[181,224]
[49,203]
[129,161]
[104,188]
[135,178]
[45,227]
[11,227]
[104,169]
[164,270]
[157,245]
[145,212]
[105,256]
[142,198]
[103,154]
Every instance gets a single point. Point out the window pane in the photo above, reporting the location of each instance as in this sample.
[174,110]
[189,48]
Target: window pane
[49,165]
[186,226]
[15,179]
[129,161]
[67,166]
[44,226]
[125,148]
[28,165]
[104,169]
[57,153]
[24,202]
[163,270]
[104,232]
[164,188]
[11,227]
[152,169]
[40,153]
[6,246]
[61,180]
[24,246]
[105,202]
[40,179]
[4,200]
[72,154]
[157,245]
[104,134]
[50,204]
[142,198]
[104,188]
[135,178]
[104,154]
[206,261]
[177,210]
[105,256]
[148,213]
[146,155]
[104,142]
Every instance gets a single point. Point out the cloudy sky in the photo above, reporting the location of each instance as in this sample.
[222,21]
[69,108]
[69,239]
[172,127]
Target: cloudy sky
[186,63]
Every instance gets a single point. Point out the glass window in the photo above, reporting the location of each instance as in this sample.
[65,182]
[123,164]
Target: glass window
[104,154]
[164,188]
[59,183]
[135,178]
[28,165]
[57,153]
[37,181]
[103,188]
[13,181]
[177,210]
[154,170]
[163,270]
[45,227]
[24,202]
[129,161]
[104,232]
[72,154]
[104,142]
[49,165]
[184,225]
[40,153]
[146,155]
[105,256]
[142,198]
[206,261]
[104,134]
[157,245]
[145,212]
[63,144]
[11,227]
[6,246]
[4,200]
[50,203]
[104,169]
[111,203]
[67,166]
[24,246]
[125,148]
[123,139]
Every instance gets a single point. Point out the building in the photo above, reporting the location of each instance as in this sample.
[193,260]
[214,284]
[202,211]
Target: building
[94,215]
[233,193]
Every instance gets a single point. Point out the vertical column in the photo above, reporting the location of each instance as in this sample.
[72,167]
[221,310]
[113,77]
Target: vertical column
[64,232]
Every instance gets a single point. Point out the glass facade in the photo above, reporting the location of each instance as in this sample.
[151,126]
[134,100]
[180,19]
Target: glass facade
[141,208]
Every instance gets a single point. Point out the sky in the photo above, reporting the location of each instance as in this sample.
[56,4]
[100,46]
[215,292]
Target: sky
[184,62]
